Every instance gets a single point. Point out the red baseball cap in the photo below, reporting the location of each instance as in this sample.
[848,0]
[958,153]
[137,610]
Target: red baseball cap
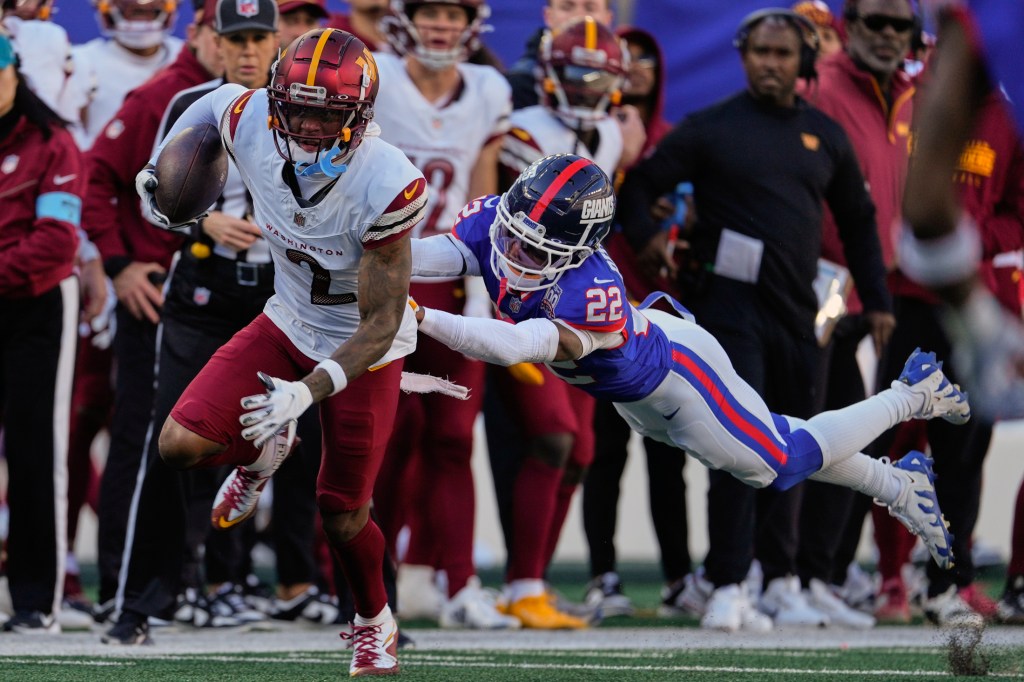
[317,8]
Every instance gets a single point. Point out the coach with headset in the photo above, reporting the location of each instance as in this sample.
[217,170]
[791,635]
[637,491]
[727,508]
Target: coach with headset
[763,163]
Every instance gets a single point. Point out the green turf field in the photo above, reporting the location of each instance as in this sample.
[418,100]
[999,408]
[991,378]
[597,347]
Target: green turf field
[513,665]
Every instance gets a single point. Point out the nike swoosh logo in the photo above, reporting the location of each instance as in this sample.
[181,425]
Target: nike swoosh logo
[668,417]
[603,281]
[409,192]
[224,523]
[241,104]
[63,179]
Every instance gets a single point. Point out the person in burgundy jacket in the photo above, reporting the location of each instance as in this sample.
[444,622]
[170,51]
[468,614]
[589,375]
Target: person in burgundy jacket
[41,182]
[864,89]
[136,258]
[989,181]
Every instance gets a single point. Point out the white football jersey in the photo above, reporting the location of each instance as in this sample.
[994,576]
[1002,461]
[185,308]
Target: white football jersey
[104,72]
[536,132]
[442,141]
[316,249]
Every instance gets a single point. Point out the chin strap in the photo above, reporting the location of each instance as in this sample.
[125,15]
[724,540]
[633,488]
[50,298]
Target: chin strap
[324,166]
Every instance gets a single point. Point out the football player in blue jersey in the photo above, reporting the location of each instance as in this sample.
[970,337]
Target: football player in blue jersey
[538,249]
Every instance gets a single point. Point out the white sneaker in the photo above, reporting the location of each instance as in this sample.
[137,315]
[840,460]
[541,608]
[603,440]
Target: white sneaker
[475,608]
[418,594]
[822,598]
[932,392]
[730,609]
[860,588]
[723,609]
[236,500]
[686,597]
[375,647]
[604,595]
[950,610]
[786,604]
[917,507]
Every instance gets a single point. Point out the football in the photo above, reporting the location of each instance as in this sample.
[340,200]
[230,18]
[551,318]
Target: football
[190,172]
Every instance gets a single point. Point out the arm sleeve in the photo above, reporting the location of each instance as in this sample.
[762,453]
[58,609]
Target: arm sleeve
[672,162]
[442,256]
[854,213]
[493,341]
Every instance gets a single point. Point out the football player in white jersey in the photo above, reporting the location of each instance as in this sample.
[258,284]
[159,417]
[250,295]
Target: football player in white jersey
[448,117]
[336,205]
[582,68]
[136,43]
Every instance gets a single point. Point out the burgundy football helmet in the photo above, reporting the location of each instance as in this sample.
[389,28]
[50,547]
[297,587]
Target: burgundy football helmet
[29,9]
[405,39]
[582,67]
[328,75]
[137,24]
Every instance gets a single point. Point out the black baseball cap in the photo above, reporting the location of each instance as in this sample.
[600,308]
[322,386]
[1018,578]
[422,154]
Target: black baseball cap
[241,15]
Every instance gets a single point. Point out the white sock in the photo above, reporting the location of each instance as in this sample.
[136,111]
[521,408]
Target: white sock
[380,619]
[844,432]
[865,475]
[520,589]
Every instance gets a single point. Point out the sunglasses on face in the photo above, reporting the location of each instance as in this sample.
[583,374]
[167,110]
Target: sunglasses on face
[877,23]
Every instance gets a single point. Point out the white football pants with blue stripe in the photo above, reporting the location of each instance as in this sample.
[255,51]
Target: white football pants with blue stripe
[705,408]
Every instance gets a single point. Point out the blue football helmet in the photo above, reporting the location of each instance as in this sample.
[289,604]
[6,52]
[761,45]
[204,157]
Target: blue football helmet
[550,220]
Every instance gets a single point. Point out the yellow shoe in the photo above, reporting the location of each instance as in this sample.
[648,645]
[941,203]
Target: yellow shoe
[540,614]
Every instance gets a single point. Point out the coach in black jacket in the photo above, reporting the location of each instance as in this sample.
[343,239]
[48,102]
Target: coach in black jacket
[762,163]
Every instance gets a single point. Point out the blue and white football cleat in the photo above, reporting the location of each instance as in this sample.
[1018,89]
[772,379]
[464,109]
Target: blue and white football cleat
[923,379]
[917,507]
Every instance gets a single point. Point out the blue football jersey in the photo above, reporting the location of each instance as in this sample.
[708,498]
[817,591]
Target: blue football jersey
[592,297]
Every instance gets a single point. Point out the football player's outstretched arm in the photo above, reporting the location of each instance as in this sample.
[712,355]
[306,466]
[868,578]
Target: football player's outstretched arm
[501,343]
[442,256]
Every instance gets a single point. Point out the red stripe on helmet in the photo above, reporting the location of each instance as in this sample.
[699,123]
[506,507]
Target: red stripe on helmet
[553,188]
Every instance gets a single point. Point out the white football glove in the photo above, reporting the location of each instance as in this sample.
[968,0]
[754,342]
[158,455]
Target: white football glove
[145,187]
[270,412]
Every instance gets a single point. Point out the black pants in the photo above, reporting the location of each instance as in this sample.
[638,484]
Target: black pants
[781,365]
[666,492]
[959,451]
[827,508]
[37,350]
[134,359]
[205,306]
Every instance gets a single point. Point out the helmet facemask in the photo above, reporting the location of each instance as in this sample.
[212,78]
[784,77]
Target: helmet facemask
[522,255]
[581,94]
[320,97]
[404,37]
[137,24]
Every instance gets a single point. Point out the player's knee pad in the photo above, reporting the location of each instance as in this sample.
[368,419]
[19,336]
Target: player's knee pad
[803,458]
[552,448]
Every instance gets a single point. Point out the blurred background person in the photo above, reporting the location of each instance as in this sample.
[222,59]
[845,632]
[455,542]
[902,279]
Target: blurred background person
[39,306]
[136,258]
[297,17]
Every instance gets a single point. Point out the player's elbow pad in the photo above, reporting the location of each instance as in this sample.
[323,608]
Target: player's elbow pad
[493,341]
